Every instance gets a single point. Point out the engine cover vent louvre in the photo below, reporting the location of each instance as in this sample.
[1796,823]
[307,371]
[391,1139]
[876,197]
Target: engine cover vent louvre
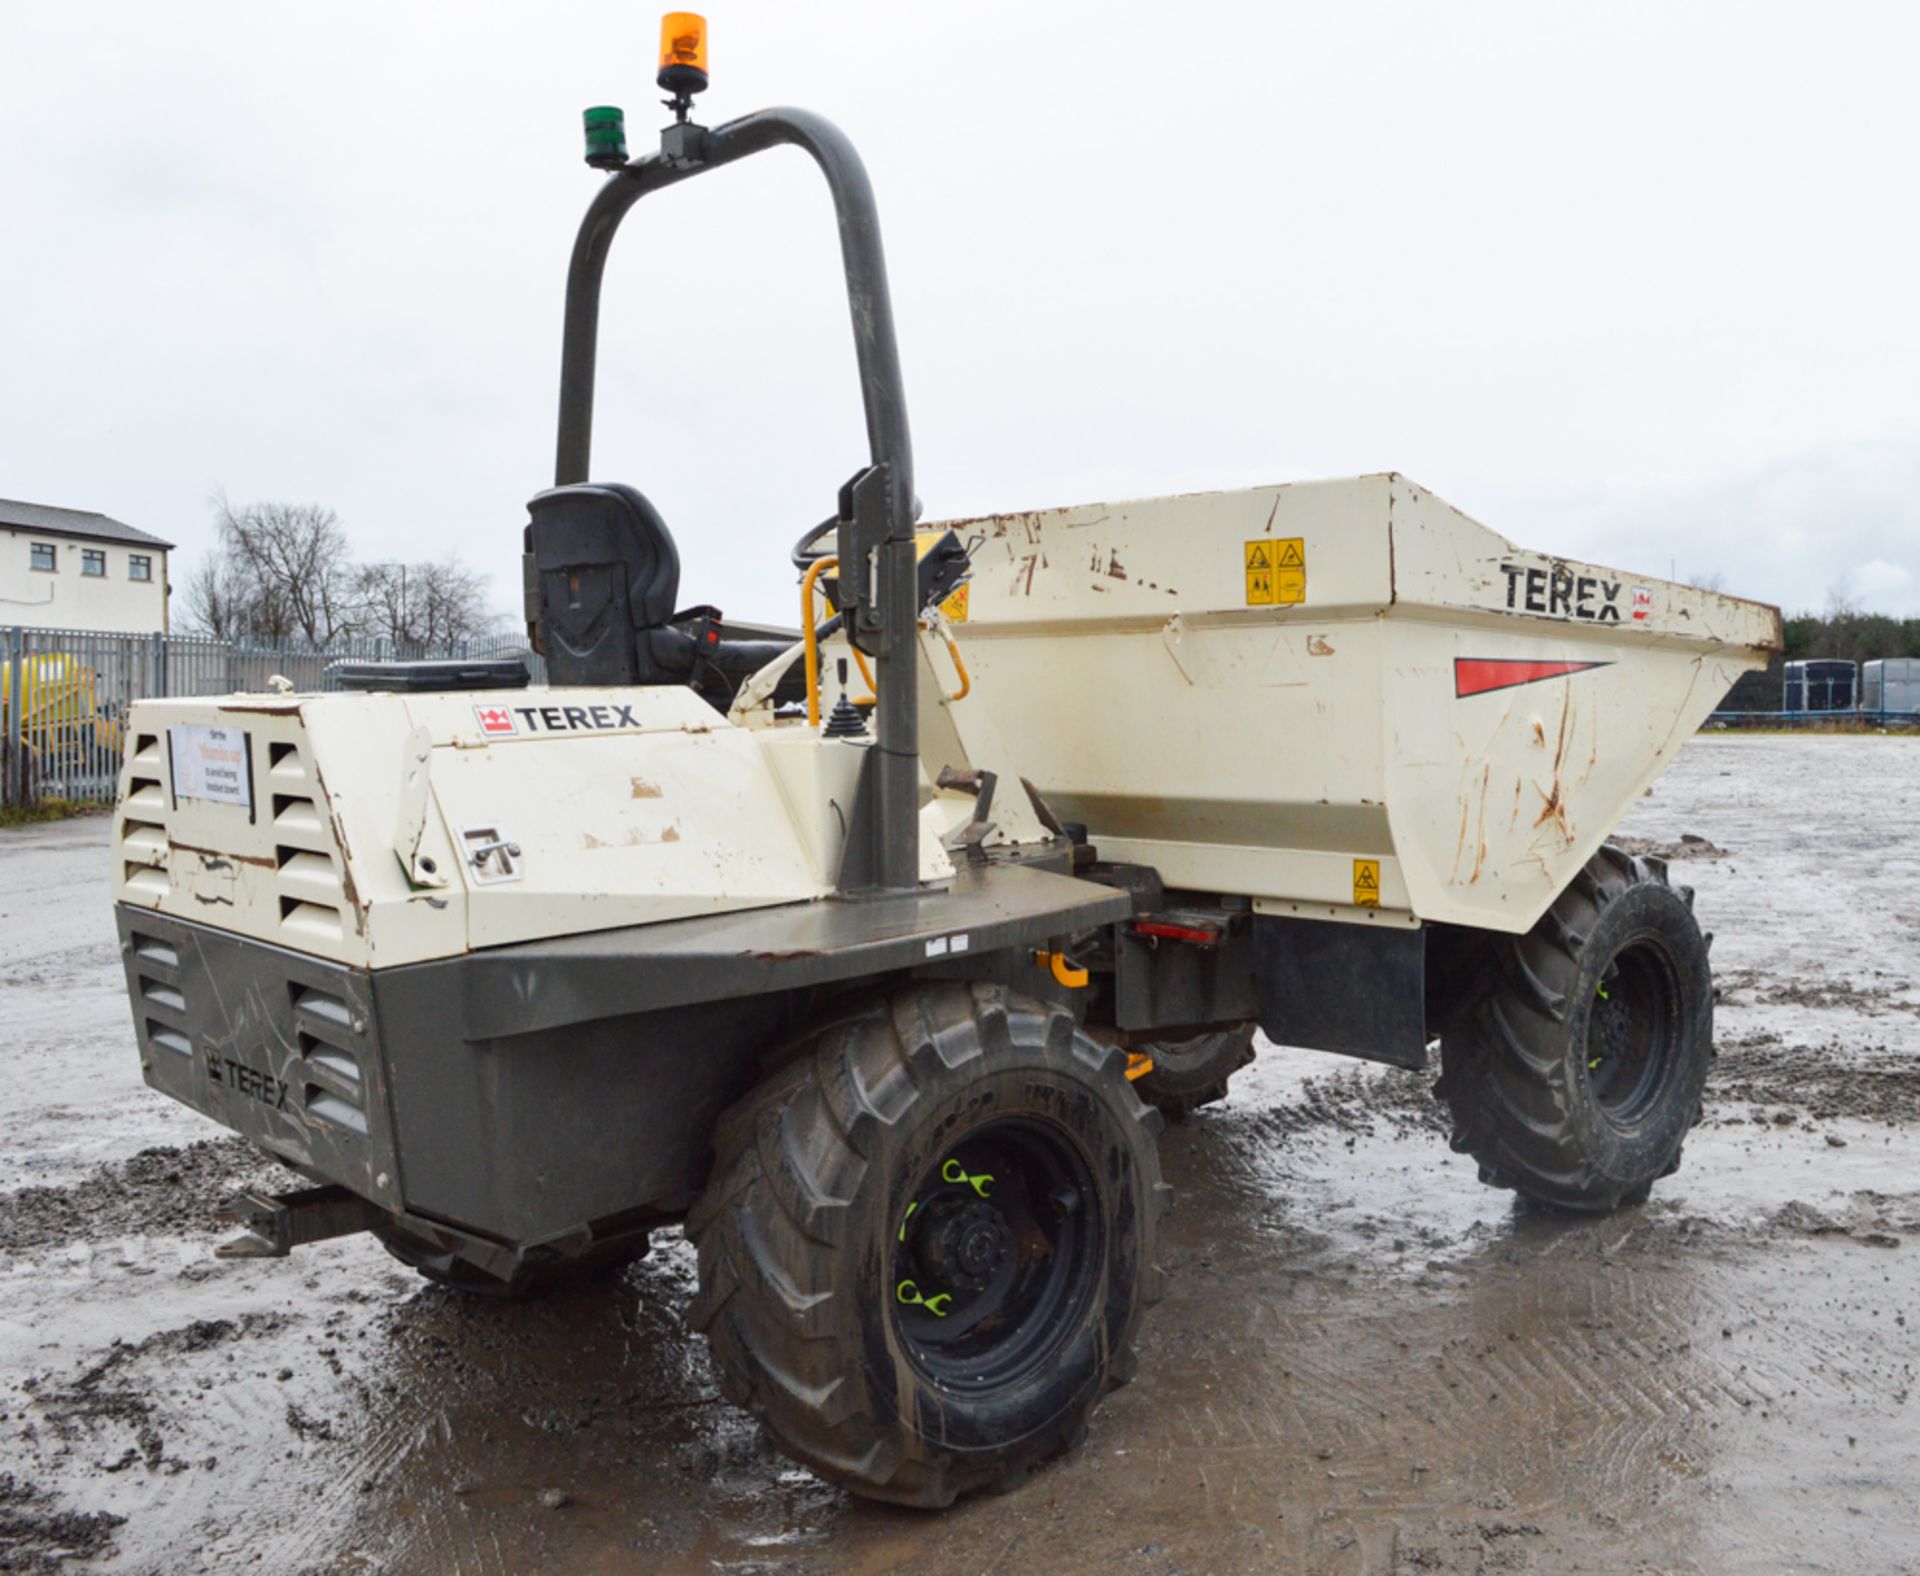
[144,844]
[312,904]
[329,1036]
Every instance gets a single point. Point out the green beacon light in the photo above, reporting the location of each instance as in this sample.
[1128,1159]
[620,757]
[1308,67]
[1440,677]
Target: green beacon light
[606,137]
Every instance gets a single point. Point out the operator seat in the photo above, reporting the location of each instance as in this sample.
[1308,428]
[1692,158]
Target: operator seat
[602,576]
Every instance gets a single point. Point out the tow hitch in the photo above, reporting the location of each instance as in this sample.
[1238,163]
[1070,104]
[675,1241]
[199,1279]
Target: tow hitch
[274,1224]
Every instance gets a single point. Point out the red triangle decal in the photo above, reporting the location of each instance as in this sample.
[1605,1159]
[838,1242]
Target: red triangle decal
[1478,675]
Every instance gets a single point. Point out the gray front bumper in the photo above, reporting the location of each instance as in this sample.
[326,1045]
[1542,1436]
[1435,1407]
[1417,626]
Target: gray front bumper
[552,1091]
[281,1047]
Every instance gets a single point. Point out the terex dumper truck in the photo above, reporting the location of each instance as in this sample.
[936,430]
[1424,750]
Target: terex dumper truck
[875,957]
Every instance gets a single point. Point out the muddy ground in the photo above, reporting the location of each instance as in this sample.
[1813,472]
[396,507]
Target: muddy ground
[1367,1361]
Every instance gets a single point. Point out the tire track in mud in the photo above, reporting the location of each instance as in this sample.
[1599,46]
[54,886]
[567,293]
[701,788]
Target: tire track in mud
[168,1420]
[1604,1337]
[1616,1357]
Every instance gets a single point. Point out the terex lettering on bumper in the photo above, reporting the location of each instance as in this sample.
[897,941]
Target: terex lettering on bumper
[224,1072]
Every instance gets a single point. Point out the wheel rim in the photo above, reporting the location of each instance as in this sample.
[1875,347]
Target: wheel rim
[996,1254]
[1633,1030]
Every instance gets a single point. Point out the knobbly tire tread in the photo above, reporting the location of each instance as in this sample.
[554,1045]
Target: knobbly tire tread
[787,1242]
[1508,1080]
[1177,1092]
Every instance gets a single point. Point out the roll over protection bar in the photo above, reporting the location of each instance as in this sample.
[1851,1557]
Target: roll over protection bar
[876,549]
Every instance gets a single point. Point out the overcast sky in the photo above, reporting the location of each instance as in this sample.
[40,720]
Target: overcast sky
[1637,283]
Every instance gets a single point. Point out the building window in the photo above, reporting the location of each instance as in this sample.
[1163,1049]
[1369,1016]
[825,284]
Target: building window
[139,566]
[93,560]
[43,556]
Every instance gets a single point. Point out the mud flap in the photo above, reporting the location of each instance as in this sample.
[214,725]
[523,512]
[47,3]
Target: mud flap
[1354,989]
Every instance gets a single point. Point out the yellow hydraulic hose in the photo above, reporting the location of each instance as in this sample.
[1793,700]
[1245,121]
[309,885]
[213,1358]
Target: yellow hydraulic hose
[812,637]
[812,640]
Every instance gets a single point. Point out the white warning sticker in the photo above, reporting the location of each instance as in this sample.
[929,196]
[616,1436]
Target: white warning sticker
[211,763]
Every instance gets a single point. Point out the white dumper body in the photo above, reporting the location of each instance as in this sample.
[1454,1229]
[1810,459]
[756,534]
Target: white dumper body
[1342,699]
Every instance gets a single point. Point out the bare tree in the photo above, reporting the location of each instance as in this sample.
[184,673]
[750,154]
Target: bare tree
[282,572]
[1716,580]
[218,599]
[298,562]
[425,605]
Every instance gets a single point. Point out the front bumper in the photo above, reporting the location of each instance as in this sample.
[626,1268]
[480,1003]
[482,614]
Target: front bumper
[281,1047]
[549,1093]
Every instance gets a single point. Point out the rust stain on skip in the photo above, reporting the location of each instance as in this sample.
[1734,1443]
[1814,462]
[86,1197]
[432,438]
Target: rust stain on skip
[642,789]
[1480,856]
[1554,808]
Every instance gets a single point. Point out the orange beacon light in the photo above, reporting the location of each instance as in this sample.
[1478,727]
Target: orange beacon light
[683,53]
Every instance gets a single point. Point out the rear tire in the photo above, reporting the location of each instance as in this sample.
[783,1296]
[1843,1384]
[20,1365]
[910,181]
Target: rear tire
[1577,1073]
[929,1241]
[1188,1074]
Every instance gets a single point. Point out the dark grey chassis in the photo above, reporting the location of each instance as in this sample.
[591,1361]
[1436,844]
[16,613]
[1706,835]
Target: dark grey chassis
[536,1100]
[539,1101]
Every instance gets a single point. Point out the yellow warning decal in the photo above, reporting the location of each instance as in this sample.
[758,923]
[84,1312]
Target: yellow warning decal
[1290,570]
[1276,571]
[954,609]
[1366,883]
[1259,567]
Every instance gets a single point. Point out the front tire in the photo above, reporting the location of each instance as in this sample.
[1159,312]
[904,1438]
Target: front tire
[1577,1074]
[929,1241]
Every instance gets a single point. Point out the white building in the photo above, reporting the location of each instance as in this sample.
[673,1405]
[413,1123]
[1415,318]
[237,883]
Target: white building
[68,569]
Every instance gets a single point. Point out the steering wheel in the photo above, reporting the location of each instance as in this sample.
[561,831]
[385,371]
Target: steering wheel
[810,549]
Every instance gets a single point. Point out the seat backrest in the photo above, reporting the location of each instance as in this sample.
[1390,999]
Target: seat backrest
[602,570]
